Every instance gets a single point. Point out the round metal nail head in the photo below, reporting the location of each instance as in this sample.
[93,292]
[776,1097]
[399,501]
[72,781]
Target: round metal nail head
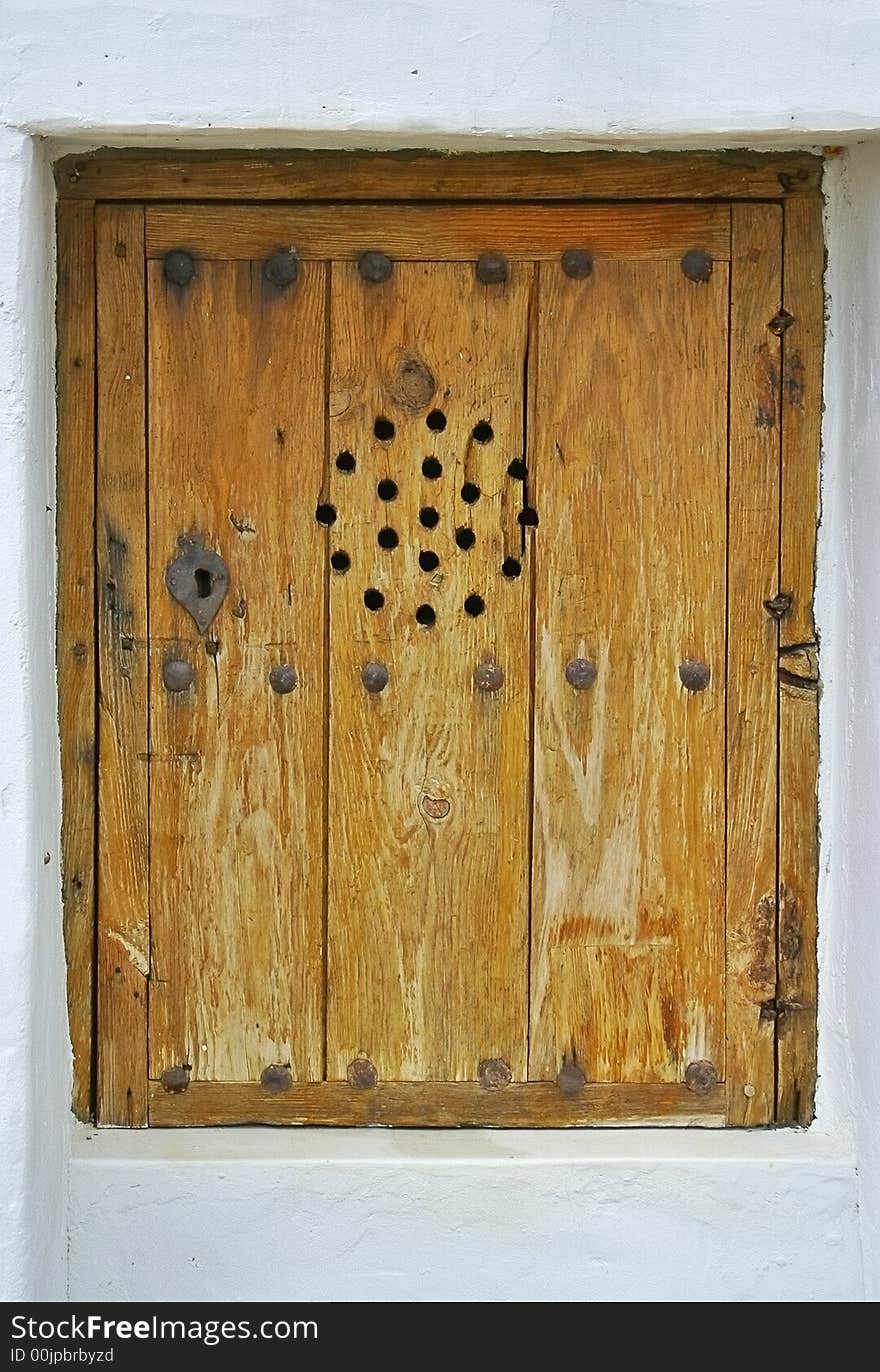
[697,265]
[488,677]
[177,675]
[361,1074]
[492,268]
[276,1078]
[281,268]
[375,267]
[694,675]
[494,1074]
[580,673]
[577,263]
[179,267]
[375,677]
[701,1077]
[175,1079]
[283,679]
[571,1079]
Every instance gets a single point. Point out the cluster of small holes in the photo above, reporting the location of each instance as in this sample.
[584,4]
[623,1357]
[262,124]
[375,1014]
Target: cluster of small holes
[345,462]
[383,429]
[431,468]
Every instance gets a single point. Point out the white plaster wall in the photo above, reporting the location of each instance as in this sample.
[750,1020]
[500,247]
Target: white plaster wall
[254,1212]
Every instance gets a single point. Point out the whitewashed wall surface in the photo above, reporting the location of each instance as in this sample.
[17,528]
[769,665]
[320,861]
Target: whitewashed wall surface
[473,1216]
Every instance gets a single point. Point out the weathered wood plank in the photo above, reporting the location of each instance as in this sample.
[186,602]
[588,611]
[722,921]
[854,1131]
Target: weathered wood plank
[427,913]
[436,1104]
[123,843]
[441,232]
[75,527]
[629,460]
[799,698]
[114,174]
[237,426]
[753,640]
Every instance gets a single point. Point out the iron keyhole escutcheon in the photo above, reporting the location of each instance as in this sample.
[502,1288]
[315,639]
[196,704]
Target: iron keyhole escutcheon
[198,579]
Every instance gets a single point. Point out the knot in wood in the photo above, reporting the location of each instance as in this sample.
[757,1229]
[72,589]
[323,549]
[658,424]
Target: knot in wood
[177,675]
[488,676]
[577,263]
[697,265]
[361,1074]
[281,268]
[701,1077]
[276,1077]
[492,268]
[580,673]
[179,267]
[694,675]
[435,807]
[375,267]
[176,1079]
[494,1074]
[283,679]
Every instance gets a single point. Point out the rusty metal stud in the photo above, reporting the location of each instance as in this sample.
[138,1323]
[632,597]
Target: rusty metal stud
[361,1073]
[694,675]
[198,579]
[580,673]
[494,1074]
[375,267]
[179,267]
[492,268]
[375,677]
[277,1078]
[577,263]
[781,321]
[177,675]
[281,268]
[697,265]
[571,1078]
[778,605]
[283,679]
[701,1077]
[488,676]
[176,1079]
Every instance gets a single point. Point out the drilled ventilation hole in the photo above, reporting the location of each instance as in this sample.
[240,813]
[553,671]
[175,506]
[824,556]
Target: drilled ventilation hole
[383,429]
[470,493]
[387,538]
[387,489]
[428,561]
[345,462]
[511,567]
[483,432]
[428,517]
[326,515]
[426,615]
[474,605]
[465,538]
[340,560]
[436,421]
[528,517]
[373,599]
[431,468]
[517,469]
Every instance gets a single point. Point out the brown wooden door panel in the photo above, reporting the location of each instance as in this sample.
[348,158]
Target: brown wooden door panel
[236,455]
[630,469]
[428,904]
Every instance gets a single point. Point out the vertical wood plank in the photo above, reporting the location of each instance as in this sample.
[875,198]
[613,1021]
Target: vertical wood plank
[798,700]
[427,911]
[630,462]
[237,417]
[753,638]
[123,916]
[75,525]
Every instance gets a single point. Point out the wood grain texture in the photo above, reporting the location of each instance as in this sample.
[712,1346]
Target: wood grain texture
[629,459]
[123,955]
[427,912]
[237,778]
[436,1104]
[75,527]
[114,174]
[753,640]
[799,698]
[440,232]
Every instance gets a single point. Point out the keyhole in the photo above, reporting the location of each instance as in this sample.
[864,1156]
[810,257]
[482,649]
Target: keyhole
[204,583]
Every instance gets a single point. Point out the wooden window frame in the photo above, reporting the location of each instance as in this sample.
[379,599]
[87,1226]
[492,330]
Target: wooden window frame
[771,938]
